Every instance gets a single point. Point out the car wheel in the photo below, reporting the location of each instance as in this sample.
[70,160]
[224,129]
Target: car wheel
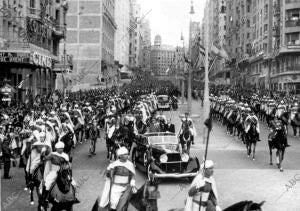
[149,171]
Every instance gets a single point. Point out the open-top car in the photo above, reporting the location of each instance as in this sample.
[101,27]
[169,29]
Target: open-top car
[160,155]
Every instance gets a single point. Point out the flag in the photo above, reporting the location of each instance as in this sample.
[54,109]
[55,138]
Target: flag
[22,82]
[219,51]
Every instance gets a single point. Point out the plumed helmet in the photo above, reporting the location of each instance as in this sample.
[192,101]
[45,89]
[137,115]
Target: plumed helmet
[122,151]
[59,145]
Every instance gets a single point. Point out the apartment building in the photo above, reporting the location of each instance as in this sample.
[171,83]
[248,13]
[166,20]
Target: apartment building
[30,34]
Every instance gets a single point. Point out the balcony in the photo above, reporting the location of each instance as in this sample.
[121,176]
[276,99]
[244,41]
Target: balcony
[276,31]
[292,4]
[292,23]
[33,12]
[276,10]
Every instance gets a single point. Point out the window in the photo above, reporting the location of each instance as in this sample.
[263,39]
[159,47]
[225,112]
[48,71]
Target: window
[293,39]
[248,23]
[32,3]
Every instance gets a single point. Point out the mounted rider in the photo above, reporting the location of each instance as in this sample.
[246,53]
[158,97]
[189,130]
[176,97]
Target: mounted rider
[252,119]
[120,182]
[40,148]
[53,165]
[277,124]
[295,123]
[187,120]
[203,195]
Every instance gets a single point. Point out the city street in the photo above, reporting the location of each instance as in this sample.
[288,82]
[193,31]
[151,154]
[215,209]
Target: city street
[238,178]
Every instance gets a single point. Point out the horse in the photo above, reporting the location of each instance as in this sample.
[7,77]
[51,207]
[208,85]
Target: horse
[245,206]
[144,199]
[251,139]
[239,206]
[276,140]
[25,152]
[67,139]
[295,123]
[186,137]
[62,192]
[34,181]
[231,122]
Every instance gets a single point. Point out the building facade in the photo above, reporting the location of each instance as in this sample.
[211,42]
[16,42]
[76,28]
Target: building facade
[146,45]
[162,57]
[215,12]
[263,39]
[122,40]
[91,31]
[135,45]
[30,34]
[285,67]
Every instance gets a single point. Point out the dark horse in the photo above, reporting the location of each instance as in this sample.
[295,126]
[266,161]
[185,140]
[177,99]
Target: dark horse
[240,206]
[251,139]
[245,206]
[67,139]
[62,193]
[277,140]
[185,138]
[144,200]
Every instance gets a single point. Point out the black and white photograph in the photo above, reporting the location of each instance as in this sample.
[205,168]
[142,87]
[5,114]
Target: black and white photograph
[150,105]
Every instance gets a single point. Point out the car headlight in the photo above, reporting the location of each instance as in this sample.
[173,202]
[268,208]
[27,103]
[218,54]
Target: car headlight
[163,158]
[185,157]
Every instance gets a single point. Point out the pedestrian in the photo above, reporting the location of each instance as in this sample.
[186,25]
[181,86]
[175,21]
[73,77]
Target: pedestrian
[94,134]
[7,157]
[203,195]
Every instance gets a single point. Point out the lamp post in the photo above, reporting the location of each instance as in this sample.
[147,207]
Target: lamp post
[189,107]
[182,78]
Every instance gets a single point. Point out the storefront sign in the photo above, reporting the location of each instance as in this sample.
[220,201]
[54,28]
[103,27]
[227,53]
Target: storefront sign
[41,60]
[14,57]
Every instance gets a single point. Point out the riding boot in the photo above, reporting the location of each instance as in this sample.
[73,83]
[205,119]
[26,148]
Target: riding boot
[45,196]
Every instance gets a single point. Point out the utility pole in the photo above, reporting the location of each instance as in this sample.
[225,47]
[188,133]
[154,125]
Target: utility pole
[189,107]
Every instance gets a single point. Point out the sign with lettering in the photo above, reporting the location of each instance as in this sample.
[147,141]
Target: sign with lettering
[38,32]
[41,60]
[14,57]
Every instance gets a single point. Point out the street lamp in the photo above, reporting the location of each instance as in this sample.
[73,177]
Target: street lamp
[182,78]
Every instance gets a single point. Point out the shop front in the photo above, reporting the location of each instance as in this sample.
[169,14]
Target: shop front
[29,72]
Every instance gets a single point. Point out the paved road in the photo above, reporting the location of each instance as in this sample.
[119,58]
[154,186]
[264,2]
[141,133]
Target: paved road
[238,177]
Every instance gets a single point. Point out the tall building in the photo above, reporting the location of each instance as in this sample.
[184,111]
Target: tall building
[263,38]
[136,41]
[122,16]
[285,69]
[30,33]
[90,39]
[146,45]
[215,12]
[108,65]
[162,57]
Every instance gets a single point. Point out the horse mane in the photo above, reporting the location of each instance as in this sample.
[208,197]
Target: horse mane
[238,206]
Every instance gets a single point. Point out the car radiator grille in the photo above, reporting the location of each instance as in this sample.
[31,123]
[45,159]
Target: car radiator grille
[174,157]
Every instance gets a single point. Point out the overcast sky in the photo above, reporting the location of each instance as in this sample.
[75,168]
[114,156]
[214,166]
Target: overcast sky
[169,17]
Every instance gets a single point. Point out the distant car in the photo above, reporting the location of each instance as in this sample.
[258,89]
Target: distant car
[163,102]
[160,154]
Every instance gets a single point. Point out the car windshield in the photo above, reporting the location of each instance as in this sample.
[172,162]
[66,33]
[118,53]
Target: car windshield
[155,140]
[163,98]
